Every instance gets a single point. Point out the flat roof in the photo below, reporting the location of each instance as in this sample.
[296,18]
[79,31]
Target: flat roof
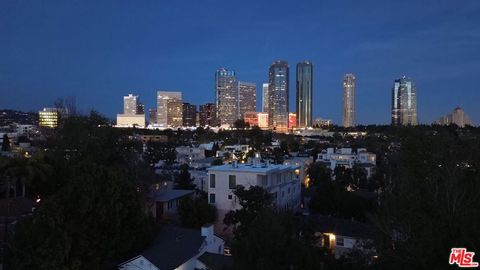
[259,168]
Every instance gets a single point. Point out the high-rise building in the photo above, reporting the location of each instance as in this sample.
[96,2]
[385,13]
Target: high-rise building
[133,112]
[208,115]
[130,104]
[163,100]
[175,113]
[304,94]
[152,116]
[278,95]
[247,98]
[48,117]
[226,96]
[404,102]
[189,115]
[348,109]
[265,97]
[457,117]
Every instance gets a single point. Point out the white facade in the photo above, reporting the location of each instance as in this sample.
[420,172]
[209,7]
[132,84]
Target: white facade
[347,158]
[127,120]
[211,243]
[280,180]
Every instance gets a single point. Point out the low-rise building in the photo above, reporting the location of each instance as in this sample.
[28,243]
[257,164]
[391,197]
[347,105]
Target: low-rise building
[163,203]
[186,154]
[281,181]
[176,248]
[341,235]
[348,158]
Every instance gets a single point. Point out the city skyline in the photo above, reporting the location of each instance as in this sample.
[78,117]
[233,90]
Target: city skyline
[54,50]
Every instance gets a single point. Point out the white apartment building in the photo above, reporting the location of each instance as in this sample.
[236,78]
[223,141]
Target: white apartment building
[280,180]
[187,154]
[346,157]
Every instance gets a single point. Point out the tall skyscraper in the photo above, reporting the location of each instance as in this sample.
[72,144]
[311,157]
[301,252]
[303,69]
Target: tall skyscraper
[175,113]
[226,96]
[189,115]
[208,115]
[247,98]
[404,102]
[304,94]
[130,104]
[278,95]
[265,97]
[348,109]
[133,112]
[163,100]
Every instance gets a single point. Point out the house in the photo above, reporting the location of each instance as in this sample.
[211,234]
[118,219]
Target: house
[163,203]
[340,235]
[187,154]
[347,158]
[176,248]
[280,180]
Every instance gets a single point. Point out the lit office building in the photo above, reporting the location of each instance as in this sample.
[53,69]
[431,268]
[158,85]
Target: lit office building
[152,116]
[133,113]
[164,98]
[265,97]
[404,102]
[208,115]
[251,118]
[278,96]
[247,98]
[189,115]
[304,94]
[292,120]
[48,117]
[457,117]
[348,111]
[262,119]
[226,95]
[175,114]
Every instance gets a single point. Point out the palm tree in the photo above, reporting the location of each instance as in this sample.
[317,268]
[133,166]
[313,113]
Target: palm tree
[22,171]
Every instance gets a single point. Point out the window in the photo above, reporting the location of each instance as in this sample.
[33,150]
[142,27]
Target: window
[212,198]
[339,241]
[212,180]
[230,196]
[232,181]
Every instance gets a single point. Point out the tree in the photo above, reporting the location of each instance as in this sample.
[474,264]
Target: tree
[319,173]
[6,143]
[194,213]
[431,203]
[343,176]
[183,180]
[157,151]
[91,223]
[240,124]
[272,242]
[217,162]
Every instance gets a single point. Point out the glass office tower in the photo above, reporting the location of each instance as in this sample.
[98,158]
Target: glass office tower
[304,94]
[404,102]
[226,96]
[278,95]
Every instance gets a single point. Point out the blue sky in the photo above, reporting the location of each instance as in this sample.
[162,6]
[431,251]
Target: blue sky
[99,51]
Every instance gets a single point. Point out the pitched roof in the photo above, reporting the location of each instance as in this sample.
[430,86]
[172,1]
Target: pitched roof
[170,194]
[216,261]
[339,226]
[173,246]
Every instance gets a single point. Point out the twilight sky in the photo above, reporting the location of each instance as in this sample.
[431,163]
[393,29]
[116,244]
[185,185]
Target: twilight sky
[99,51]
